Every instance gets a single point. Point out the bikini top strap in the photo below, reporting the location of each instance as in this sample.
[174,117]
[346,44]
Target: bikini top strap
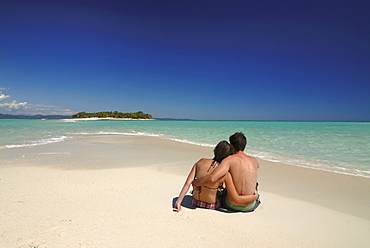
[213,164]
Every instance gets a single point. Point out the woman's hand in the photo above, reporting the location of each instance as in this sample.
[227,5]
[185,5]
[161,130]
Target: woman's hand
[177,206]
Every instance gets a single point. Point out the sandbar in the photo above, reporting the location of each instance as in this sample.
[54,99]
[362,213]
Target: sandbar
[118,191]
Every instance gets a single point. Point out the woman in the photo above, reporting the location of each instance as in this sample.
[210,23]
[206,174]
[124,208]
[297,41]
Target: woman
[206,196]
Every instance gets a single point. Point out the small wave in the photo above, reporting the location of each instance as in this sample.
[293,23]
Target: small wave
[62,138]
[38,142]
[191,142]
[291,161]
[147,134]
[346,170]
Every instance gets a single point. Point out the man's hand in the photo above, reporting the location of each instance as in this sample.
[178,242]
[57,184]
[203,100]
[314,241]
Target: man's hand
[195,183]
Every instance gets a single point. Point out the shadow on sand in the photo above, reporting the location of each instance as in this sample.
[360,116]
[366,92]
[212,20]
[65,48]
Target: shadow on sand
[186,203]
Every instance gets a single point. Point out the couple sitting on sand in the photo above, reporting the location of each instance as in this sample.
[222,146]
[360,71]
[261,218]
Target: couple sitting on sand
[230,167]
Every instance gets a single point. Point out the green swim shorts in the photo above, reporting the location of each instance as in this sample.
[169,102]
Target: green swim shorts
[249,208]
[226,204]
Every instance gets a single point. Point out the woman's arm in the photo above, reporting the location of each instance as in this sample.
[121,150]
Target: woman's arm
[185,188]
[238,199]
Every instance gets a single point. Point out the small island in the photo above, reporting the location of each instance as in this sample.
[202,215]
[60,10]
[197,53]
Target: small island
[113,115]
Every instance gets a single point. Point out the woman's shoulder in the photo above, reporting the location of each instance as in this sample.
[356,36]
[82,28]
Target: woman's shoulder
[204,161]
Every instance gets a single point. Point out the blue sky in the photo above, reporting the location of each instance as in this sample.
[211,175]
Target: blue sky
[243,60]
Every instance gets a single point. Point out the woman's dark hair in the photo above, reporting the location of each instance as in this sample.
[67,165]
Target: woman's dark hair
[222,150]
[238,141]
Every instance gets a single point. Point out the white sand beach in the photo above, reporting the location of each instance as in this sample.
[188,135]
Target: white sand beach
[118,191]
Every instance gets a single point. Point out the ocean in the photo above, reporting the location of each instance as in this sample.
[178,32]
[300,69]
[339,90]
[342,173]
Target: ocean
[340,147]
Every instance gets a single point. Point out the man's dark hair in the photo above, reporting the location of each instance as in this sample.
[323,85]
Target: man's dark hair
[222,150]
[238,141]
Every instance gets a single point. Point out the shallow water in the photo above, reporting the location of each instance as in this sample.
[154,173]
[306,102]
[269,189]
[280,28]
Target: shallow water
[333,146]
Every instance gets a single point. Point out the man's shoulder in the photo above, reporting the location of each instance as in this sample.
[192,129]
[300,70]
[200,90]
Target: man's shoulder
[232,157]
[229,159]
[251,158]
[242,158]
[238,156]
[253,162]
[233,160]
[248,156]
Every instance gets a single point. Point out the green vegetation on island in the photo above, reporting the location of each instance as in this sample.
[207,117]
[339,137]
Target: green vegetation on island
[115,114]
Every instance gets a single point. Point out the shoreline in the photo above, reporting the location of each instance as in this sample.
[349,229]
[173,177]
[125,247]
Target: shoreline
[342,171]
[70,193]
[343,151]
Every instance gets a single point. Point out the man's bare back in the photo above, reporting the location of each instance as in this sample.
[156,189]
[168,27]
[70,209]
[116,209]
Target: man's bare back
[243,170]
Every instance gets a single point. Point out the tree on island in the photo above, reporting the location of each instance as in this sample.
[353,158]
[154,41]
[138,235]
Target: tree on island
[115,114]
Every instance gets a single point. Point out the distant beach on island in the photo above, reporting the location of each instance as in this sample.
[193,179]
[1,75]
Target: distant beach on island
[105,119]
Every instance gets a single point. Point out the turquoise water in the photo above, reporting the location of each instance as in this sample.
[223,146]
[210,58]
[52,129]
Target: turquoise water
[341,147]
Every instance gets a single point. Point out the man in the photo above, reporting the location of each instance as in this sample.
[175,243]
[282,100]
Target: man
[243,170]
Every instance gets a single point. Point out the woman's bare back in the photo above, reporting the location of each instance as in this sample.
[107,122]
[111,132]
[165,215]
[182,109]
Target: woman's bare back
[207,193]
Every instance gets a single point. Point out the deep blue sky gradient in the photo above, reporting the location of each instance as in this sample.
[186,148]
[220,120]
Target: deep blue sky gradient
[244,60]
